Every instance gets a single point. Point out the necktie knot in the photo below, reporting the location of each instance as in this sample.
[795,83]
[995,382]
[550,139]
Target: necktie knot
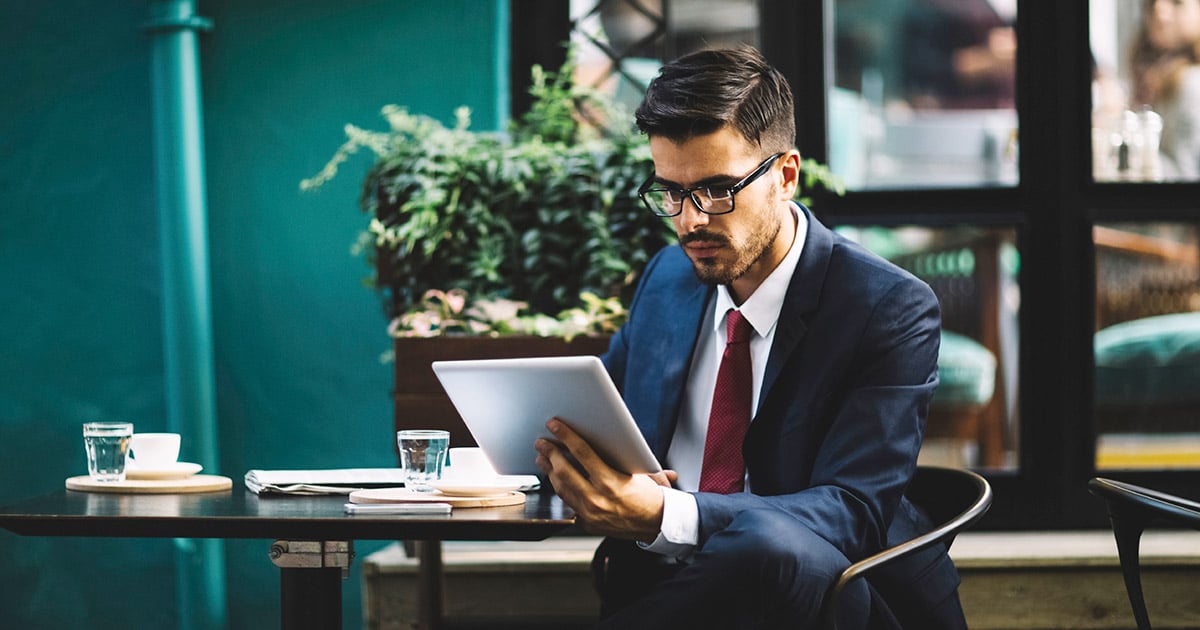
[737,327]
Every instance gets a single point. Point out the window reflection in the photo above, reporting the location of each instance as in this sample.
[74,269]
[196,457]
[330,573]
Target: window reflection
[1147,345]
[973,419]
[1146,89]
[923,93]
[622,43]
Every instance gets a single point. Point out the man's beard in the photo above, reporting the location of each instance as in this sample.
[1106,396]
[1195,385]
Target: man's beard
[714,272]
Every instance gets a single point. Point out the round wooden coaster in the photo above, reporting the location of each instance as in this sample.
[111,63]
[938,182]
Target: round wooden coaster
[195,483]
[404,495]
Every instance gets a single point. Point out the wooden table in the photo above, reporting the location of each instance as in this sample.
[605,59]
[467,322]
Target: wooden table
[313,537]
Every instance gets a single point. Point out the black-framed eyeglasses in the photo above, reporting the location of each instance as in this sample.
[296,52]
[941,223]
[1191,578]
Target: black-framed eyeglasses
[667,201]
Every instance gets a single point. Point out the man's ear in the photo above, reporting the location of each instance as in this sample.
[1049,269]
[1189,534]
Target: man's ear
[789,175]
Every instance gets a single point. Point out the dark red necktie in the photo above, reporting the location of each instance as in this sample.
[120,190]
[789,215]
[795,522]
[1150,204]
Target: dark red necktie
[723,470]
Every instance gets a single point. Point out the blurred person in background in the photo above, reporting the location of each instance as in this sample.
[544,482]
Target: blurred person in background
[960,54]
[1166,79]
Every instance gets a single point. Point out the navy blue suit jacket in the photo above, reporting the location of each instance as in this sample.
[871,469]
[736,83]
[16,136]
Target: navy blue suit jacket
[842,409]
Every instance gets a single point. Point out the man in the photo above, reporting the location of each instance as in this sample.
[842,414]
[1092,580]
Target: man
[791,461]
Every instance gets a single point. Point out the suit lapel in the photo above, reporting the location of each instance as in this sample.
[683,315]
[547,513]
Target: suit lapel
[678,337]
[803,295]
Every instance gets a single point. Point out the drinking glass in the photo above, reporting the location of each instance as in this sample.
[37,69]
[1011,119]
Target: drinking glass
[106,444]
[422,455]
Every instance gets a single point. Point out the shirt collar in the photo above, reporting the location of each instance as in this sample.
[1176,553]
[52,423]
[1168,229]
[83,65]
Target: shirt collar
[762,308]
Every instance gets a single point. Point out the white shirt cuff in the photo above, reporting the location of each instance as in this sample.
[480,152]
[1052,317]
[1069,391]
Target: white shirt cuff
[680,525]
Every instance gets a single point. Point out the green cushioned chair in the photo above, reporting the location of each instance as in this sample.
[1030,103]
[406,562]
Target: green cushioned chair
[1154,360]
[967,372]
[958,432]
[1148,375]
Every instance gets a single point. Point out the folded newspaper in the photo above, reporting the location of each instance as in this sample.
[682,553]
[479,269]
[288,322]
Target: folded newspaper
[332,481]
[347,480]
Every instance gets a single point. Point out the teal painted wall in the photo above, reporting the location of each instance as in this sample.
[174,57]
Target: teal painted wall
[297,338]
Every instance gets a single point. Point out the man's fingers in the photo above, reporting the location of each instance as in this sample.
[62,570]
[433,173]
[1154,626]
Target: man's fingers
[578,447]
[552,459]
[665,478]
[543,464]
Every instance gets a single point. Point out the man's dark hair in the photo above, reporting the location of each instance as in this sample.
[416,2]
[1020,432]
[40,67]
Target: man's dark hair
[701,92]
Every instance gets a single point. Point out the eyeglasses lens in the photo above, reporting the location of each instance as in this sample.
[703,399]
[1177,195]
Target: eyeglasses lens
[668,202]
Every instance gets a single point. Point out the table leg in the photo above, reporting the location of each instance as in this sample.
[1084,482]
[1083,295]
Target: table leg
[430,584]
[310,581]
[310,598]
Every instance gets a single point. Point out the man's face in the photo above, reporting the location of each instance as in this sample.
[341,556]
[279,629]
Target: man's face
[724,248]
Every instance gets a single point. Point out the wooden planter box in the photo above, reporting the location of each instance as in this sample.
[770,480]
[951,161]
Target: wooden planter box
[421,403]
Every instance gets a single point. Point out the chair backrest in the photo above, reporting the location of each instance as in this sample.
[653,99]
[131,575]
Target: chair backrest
[1151,504]
[950,496]
[953,498]
[1130,509]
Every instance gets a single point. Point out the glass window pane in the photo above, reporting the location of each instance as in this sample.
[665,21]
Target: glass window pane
[622,43]
[973,420]
[1145,89]
[923,93]
[1147,345]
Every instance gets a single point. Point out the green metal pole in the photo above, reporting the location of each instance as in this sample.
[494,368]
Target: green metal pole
[187,311]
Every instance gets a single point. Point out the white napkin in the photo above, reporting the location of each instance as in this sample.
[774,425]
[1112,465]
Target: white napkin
[332,481]
[524,483]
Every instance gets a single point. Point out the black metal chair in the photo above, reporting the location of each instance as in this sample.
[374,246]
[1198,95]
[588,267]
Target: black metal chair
[953,498]
[1130,509]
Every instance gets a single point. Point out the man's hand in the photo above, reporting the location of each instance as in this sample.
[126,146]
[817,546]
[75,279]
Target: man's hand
[607,501]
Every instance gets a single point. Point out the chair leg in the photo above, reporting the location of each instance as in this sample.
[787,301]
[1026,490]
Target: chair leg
[1127,528]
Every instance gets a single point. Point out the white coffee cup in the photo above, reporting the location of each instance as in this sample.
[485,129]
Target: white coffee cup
[468,464]
[153,450]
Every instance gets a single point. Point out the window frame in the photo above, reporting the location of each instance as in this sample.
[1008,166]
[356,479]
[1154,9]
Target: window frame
[1053,208]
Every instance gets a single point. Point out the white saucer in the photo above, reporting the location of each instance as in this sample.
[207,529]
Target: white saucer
[477,488]
[177,470]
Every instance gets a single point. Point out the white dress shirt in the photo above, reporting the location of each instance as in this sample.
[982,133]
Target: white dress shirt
[681,518]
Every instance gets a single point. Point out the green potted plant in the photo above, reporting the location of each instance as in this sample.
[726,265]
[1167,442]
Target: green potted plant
[477,236]
[536,231]
[538,214]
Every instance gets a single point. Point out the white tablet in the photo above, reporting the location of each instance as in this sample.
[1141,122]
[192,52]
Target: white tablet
[506,403]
